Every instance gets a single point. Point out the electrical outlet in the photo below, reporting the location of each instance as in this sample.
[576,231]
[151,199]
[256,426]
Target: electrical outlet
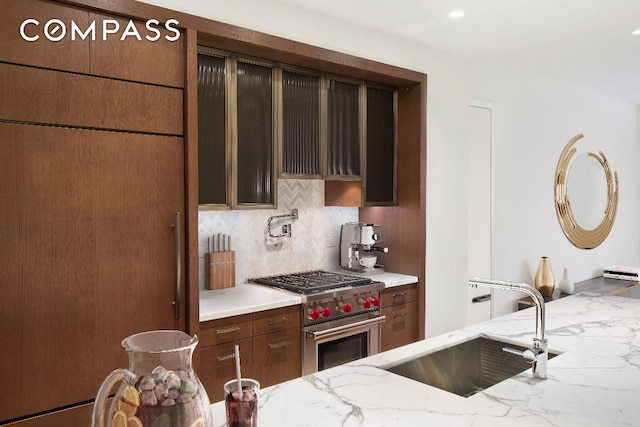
[332,242]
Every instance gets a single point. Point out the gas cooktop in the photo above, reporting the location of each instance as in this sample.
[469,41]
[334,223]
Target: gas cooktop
[309,282]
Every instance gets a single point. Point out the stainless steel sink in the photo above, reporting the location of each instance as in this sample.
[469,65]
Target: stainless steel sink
[466,368]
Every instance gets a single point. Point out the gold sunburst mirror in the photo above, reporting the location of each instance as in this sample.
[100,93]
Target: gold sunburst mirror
[586,195]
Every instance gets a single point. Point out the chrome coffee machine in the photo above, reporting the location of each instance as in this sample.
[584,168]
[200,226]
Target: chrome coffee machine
[359,245]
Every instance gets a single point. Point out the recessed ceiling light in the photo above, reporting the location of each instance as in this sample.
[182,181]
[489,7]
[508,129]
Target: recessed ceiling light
[636,32]
[457,14]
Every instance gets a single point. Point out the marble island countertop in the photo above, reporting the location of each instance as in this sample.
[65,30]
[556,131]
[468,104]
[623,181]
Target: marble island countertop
[248,298]
[595,381]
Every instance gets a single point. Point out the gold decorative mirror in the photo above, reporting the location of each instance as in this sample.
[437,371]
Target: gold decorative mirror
[589,183]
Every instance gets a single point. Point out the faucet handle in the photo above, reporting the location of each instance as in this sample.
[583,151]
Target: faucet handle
[531,354]
[527,354]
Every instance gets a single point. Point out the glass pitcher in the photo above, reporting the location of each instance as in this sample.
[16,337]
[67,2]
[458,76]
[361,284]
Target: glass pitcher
[160,388]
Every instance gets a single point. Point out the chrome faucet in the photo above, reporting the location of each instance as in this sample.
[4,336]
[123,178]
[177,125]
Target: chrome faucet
[539,353]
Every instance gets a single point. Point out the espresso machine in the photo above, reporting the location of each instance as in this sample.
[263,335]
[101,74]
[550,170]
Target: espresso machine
[359,246]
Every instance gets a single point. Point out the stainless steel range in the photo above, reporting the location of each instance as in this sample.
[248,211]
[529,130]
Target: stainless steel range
[340,318]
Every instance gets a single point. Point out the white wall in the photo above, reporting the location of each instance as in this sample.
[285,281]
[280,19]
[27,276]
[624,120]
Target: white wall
[535,117]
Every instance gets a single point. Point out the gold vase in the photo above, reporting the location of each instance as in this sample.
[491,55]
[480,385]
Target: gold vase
[544,280]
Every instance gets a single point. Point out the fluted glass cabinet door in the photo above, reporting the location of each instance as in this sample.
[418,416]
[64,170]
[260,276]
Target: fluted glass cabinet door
[300,124]
[380,172]
[343,129]
[212,147]
[255,147]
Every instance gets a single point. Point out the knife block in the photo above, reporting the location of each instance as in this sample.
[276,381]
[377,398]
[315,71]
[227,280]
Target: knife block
[221,269]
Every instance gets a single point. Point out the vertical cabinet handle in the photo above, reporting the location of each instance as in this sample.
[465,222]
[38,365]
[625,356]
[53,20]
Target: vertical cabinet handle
[178,262]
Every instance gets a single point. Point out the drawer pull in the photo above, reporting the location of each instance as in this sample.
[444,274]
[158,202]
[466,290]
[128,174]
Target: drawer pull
[401,294]
[277,345]
[399,315]
[227,357]
[227,330]
[278,320]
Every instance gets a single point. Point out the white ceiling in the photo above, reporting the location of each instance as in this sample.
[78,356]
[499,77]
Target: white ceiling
[584,42]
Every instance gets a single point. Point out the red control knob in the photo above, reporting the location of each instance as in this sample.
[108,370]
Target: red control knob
[315,314]
[366,303]
[326,312]
[376,302]
[347,308]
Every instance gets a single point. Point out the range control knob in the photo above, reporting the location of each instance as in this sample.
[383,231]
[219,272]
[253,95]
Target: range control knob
[376,302]
[347,308]
[366,303]
[326,312]
[315,314]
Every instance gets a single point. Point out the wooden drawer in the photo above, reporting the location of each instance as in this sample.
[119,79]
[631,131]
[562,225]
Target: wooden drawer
[64,99]
[158,62]
[276,356]
[225,330]
[400,327]
[218,365]
[398,295]
[278,319]
[66,54]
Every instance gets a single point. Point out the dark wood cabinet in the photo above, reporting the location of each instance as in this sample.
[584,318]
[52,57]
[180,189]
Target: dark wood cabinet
[218,365]
[276,345]
[269,343]
[87,269]
[277,357]
[92,174]
[400,308]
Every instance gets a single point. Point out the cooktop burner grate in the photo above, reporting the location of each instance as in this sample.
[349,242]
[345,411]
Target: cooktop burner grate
[307,282]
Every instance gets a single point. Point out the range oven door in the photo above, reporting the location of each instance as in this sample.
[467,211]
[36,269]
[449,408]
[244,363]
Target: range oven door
[333,343]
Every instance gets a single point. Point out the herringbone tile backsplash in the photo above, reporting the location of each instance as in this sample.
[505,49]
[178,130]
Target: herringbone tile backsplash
[313,236]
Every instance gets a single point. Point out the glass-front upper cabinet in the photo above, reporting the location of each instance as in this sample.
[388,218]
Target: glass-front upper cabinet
[213,153]
[380,175]
[255,146]
[257,119]
[301,154]
[236,132]
[344,143]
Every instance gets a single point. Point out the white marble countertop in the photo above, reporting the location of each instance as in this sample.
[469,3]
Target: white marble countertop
[594,382]
[390,280]
[248,298]
[243,299]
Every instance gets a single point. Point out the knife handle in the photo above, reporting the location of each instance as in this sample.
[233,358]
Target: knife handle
[178,262]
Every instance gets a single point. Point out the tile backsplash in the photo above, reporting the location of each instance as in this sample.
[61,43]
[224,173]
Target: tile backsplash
[314,240]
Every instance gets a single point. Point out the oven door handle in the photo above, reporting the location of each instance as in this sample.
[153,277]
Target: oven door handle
[338,329]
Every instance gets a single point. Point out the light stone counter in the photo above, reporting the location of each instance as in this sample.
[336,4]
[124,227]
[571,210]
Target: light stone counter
[390,280]
[243,299]
[594,382]
[249,298]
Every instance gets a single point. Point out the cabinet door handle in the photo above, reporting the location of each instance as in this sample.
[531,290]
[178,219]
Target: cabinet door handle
[399,315]
[178,263]
[227,357]
[277,345]
[401,294]
[278,320]
[481,298]
[227,330]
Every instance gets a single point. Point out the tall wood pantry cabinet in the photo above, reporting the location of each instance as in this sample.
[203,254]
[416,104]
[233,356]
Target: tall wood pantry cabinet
[91,178]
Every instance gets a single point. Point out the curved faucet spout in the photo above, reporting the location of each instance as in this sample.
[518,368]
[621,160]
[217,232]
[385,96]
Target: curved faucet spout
[537,297]
[539,352]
